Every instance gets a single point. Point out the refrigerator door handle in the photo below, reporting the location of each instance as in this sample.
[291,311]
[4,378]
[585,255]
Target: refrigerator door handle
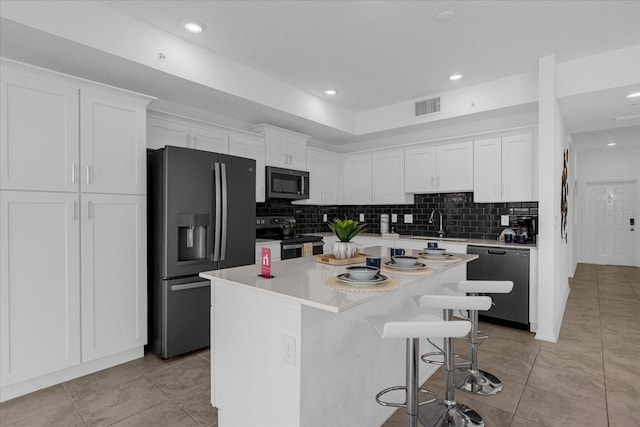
[216,232]
[223,238]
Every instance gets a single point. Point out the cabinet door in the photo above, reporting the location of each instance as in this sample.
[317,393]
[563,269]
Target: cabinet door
[455,167]
[277,153]
[251,147]
[113,138]
[164,132]
[487,170]
[114,279]
[357,180]
[387,177]
[38,133]
[420,170]
[297,152]
[323,178]
[210,140]
[39,284]
[517,168]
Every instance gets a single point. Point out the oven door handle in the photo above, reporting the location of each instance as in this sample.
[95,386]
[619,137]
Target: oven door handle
[292,246]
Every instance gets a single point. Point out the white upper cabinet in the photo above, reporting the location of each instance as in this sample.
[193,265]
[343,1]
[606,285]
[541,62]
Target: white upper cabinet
[251,147]
[210,140]
[39,142]
[420,169]
[503,169]
[375,178]
[172,130]
[113,137]
[284,148]
[439,168]
[324,176]
[165,132]
[62,134]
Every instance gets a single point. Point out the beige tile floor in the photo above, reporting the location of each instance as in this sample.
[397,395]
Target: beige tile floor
[591,377]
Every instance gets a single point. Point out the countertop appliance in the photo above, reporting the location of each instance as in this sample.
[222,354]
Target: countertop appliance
[510,309]
[286,184]
[291,246]
[201,216]
[528,226]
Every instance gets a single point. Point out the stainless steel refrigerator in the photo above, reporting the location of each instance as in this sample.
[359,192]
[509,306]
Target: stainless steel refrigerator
[201,218]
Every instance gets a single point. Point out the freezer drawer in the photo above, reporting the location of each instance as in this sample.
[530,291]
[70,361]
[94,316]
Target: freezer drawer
[186,315]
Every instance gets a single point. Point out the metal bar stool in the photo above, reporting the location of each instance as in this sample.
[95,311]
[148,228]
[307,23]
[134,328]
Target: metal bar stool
[472,379]
[412,326]
[447,412]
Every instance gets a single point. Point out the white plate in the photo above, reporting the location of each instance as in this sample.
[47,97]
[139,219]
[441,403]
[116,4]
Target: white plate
[346,278]
[395,266]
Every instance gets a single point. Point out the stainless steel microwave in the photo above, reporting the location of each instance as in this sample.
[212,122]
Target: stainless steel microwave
[287,184]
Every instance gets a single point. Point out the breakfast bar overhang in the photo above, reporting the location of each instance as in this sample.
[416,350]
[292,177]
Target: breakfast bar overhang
[293,351]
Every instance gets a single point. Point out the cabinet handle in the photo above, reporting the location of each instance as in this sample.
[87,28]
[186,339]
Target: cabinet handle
[75,217]
[88,172]
[73,173]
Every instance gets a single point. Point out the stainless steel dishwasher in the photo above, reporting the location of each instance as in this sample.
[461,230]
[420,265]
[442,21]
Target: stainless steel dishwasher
[497,263]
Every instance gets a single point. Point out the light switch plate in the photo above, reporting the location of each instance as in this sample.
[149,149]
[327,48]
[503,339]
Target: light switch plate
[324,217]
[394,217]
[408,218]
[504,220]
[361,217]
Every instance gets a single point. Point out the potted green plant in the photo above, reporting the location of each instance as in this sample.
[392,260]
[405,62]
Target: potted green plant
[345,230]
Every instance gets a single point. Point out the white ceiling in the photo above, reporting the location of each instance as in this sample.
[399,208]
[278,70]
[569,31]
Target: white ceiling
[374,53]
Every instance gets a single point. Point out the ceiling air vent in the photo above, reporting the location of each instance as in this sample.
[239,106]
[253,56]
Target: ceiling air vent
[428,106]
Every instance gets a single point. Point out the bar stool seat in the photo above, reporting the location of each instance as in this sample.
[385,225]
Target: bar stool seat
[473,379]
[447,412]
[412,327]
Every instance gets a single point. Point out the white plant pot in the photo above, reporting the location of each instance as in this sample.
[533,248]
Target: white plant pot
[344,250]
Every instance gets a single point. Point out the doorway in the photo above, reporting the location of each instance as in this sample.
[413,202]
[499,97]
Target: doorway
[609,227]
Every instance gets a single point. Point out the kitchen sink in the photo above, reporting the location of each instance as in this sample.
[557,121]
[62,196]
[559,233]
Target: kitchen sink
[441,239]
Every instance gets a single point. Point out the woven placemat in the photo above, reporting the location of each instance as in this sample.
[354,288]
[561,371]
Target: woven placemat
[387,285]
[446,260]
[416,271]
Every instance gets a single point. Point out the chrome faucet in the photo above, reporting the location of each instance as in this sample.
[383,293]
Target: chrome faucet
[441,231]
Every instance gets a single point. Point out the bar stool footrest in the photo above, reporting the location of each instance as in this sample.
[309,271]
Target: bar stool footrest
[479,382]
[463,361]
[403,405]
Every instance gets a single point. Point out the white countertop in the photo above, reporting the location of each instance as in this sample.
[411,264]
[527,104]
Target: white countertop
[303,280]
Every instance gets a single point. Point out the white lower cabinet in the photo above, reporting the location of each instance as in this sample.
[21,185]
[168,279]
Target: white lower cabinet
[72,283]
[39,284]
[114,274]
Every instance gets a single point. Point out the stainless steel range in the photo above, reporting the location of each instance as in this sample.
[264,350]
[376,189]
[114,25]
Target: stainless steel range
[292,245]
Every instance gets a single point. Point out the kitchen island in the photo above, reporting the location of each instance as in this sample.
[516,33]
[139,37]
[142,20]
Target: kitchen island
[293,351]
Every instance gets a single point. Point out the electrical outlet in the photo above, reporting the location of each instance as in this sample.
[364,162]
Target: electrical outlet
[324,217]
[394,218]
[504,220]
[361,217]
[289,349]
[408,219]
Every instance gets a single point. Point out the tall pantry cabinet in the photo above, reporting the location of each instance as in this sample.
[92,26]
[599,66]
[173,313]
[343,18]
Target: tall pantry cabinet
[73,227]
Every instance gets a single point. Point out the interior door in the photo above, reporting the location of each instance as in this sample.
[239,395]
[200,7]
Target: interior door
[608,231]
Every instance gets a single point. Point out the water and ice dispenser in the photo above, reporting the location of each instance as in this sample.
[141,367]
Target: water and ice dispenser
[193,237]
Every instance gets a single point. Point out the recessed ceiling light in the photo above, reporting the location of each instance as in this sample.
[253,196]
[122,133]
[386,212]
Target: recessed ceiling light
[633,95]
[194,27]
[455,76]
[444,17]
[611,144]
[330,92]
